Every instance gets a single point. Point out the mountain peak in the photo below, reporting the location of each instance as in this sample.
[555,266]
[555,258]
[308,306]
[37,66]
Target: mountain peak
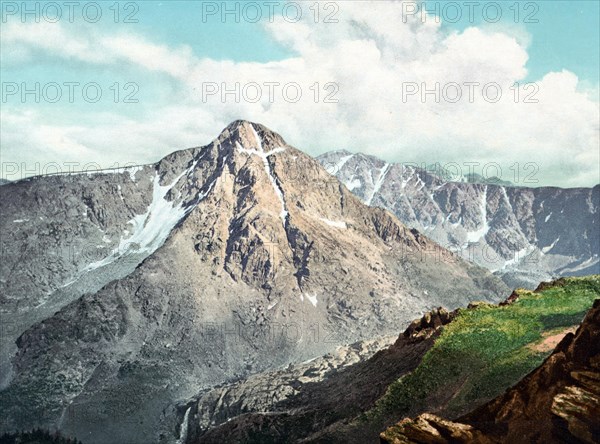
[246,233]
[251,136]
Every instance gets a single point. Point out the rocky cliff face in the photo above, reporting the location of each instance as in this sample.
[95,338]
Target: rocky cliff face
[525,235]
[213,264]
[558,402]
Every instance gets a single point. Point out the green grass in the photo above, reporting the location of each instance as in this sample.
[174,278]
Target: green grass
[486,350]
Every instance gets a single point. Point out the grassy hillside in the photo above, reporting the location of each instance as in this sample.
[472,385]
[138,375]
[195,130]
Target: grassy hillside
[487,349]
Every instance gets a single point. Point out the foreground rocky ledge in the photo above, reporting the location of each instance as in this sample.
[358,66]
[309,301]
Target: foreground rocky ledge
[557,402]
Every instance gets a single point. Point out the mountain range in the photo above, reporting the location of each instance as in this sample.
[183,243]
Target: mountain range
[124,292]
[523,235]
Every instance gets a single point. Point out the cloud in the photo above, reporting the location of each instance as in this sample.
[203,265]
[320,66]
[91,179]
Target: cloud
[372,60]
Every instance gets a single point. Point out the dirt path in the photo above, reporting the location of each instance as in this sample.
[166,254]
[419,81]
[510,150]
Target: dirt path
[551,340]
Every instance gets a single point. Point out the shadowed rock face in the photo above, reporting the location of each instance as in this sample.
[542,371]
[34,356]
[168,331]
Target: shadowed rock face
[526,235]
[558,402]
[223,261]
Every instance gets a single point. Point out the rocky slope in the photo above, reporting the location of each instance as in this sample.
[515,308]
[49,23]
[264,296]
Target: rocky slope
[446,362]
[222,261]
[558,402]
[525,235]
[64,236]
[297,403]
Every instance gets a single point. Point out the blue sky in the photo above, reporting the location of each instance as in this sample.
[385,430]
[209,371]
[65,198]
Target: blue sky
[171,53]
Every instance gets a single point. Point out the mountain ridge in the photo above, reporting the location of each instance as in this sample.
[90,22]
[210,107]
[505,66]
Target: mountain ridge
[222,261]
[524,235]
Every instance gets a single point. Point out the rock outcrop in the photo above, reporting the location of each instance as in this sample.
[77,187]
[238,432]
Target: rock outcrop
[429,323]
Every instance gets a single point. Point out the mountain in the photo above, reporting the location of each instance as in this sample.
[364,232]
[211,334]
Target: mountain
[525,235]
[559,402]
[478,178]
[445,362]
[126,291]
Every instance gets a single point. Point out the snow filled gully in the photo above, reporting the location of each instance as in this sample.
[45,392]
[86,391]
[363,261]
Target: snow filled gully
[265,159]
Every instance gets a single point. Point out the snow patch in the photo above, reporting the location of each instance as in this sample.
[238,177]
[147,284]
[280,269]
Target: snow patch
[421,183]
[120,193]
[334,223]
[132,172]
[377,186]
[257,138]
[264,156]
[405,181]
[507,200]
[151,229]
[518,257]
[338,166]
[583,265]
[183,429]
[551,246]
[312,299]
[476,236]
[353,184]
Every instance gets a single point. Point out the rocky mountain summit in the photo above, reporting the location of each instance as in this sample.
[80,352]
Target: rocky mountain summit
[525,235]
[558,402]
[124,292]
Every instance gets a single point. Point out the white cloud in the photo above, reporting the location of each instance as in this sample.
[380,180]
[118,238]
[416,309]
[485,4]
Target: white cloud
[370,53]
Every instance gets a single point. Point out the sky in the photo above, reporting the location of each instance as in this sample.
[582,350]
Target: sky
[505,89]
